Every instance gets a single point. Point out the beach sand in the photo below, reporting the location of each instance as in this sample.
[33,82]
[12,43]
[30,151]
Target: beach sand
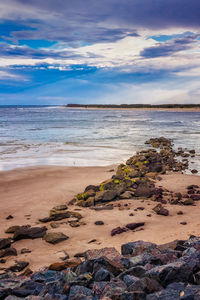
[29,193]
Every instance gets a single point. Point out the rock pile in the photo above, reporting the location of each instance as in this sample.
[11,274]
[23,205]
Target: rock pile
[136,178]
[142,271]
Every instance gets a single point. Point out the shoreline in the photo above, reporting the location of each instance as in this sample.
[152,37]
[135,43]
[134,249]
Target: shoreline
[137,109]
[29,193]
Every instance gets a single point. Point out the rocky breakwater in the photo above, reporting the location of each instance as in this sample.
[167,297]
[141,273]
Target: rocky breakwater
[137,177]
[142,271]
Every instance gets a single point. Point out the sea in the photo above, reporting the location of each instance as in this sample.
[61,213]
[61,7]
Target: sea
[60,136]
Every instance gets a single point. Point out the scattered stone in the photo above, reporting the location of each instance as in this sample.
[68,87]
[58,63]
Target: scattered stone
[19,266]
[9,217]
[28,232]
[8,252]
[133,226]
[180,212]
[92,241]
[60,215]
[54,225]
[5,243]
[25,250]
[99,223]
[131,214]
[160,210]
[194,171]
[149,215]
[183,223]
[118,230]
[187,201]
[55,237]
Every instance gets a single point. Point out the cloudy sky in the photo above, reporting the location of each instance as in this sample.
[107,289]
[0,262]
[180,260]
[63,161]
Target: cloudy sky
[99,51]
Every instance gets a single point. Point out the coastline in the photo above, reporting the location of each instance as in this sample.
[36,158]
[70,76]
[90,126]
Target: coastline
[29,193]
[137,109]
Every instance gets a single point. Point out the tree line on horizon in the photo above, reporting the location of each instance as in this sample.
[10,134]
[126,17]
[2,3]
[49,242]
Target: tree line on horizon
[134,105]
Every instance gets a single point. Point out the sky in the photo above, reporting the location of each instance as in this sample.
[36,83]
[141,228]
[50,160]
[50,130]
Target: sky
[56,52]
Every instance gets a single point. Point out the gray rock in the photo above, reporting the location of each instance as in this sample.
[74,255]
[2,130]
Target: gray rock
[55,237]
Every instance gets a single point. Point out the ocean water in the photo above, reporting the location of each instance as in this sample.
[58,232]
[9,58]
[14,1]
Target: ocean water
[31,136]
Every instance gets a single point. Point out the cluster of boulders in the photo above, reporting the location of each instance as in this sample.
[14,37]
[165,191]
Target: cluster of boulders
[136,178]
[142,271]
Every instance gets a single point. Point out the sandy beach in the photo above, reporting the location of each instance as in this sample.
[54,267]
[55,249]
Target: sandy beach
[29,193]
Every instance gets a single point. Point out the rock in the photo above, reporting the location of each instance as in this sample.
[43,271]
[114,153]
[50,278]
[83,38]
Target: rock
[79,292]
[126,195]
[136,248]
[180,212]
[133,226]
[178,271]
[146,285]
[99,223]
[55,237]
[194,171]
[27,232]
[160,210]
[188,201]
[143,190]
[9,217]
[25,250]
[60,215]
[118,230]
[109,252]
[54,225]
[60,207]
[195,197]
[19,266]
[129,279]
[12,229]
[114,288]
[5,243]
[183,223]
[8,252]
[105,196]
[27,272]
[59,266]
[102,275]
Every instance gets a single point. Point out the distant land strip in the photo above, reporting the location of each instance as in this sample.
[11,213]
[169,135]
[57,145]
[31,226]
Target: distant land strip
[133,106]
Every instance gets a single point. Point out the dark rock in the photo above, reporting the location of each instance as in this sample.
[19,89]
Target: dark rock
[60,215]
[76,292]
[178,271]
[25,250]
[111,266]
[9,217]
[55,237]
[183,223]
[118,230]
[160,210]
[180,212]
[195,197]
[146,285]
[130,279]
[8,252]
[194,171]
[133,226]
[19,266]
[27,232]
[102,275]
[136,248]
[5,243]
[114,288]
[99,223]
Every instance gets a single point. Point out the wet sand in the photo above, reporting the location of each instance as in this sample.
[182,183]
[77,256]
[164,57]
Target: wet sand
[28,194]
